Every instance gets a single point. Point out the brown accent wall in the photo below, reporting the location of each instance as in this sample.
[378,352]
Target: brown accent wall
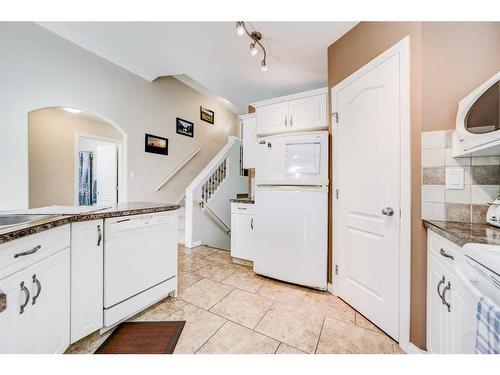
[448,60]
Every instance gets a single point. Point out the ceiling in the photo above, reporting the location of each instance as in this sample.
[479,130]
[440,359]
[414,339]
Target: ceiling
[211,58]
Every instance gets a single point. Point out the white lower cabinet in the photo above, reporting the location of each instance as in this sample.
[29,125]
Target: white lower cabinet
[444,298]
[86,278]
[37,315]
[242,231]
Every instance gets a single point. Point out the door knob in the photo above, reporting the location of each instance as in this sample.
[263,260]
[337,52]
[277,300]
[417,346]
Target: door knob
[388,211]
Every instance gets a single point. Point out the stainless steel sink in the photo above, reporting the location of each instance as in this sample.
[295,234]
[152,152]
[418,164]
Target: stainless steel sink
[11,219]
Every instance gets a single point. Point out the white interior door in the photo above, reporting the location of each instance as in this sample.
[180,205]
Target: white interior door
[367,175]
[107,174]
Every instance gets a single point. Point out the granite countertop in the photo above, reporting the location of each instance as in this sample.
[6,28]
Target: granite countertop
[122,209]
[463,233]
[243,200]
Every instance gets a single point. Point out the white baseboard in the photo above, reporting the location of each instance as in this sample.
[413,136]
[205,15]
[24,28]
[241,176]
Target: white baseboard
[412,349]
[329,287]
[194,244]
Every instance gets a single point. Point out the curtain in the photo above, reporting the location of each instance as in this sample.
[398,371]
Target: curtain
[85,178]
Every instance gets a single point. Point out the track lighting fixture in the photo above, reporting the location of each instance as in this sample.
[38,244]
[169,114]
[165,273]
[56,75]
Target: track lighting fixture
[256,37]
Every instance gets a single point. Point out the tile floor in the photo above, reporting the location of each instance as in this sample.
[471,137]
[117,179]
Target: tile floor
[229,309]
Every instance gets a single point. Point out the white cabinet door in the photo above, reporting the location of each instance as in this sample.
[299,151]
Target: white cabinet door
[454,318]
[242,236]
[272,118]
[436,314]
[249,142]
[14,324]
[308,113]
[49,308]
[86,278]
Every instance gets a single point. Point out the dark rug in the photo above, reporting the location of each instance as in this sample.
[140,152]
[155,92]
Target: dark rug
[143,338]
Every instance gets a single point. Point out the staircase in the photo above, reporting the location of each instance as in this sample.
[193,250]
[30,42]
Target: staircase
[207,203]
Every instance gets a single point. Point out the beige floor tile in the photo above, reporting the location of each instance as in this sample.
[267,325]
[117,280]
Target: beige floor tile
[362,322]
[200,326]
[220,257]
[160,310]
[328,305]
[89,344]
[192,263]
[216,271]
[339,337]
[205,293]
[282,292]
[246,280]
[287,349]
[243,307]
[186,279]
[235,339]
[292,325]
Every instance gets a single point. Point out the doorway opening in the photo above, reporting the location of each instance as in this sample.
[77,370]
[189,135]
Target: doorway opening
[96,171]
[75,158]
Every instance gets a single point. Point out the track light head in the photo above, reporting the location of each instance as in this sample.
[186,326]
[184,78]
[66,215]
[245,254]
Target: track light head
[253,49]
[263,65]
[240,29]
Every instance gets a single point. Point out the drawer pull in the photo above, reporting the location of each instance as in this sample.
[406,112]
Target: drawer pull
[38,289]
[445,254]
[27,295]
[446,288]
[28,252]
[251,223]
[242,208]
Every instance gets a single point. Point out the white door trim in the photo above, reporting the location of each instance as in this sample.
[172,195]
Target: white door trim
[403,49]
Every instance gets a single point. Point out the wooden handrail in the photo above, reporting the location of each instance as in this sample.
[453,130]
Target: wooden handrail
[177,169]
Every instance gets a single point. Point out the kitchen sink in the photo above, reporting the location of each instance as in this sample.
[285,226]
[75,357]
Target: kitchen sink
[16,219]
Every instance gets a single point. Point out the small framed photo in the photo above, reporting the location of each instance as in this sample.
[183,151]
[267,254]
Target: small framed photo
[184,127]
[207,115]
[156,145]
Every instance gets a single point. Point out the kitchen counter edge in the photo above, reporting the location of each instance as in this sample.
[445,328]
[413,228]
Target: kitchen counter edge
[19,231]
[464,233]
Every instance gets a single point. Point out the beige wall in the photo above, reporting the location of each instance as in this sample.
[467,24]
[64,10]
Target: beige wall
[456,58]
[447,61]
[51,137]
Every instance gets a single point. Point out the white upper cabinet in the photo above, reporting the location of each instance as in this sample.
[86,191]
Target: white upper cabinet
[272,118]
[249,130]
[308,113]
[293,113]
[86,278]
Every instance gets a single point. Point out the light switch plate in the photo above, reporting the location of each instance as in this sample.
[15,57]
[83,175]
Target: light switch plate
[455,178]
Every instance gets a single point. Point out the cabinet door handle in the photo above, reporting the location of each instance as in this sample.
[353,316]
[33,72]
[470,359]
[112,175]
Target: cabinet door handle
[251,223]
[291,120]
[28,252]
[38,289]
[286,121]
[445,254]
[439,288]
[3,301]
[99,235]
[448,305]
[27,296]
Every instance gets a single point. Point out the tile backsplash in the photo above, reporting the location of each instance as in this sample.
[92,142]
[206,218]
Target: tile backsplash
[481,181]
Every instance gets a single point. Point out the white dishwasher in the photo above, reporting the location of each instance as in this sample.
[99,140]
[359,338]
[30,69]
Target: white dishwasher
[140,263]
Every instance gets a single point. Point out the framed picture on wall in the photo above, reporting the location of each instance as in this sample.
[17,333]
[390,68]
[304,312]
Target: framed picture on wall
[184,127]
[207,115]
[156,144]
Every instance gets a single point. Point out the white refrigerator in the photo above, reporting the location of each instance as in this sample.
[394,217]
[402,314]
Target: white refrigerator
[291,208]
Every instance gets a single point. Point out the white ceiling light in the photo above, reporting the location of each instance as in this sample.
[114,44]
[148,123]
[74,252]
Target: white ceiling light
[240,29]
[256,37]
[71,110]
[253,49]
